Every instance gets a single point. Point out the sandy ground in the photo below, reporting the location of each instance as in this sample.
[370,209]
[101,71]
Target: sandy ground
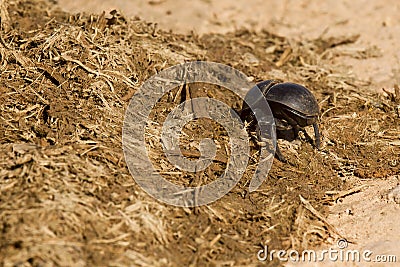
[368,218]
[377,23]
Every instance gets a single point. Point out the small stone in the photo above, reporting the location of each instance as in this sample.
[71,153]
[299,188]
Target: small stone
[394,194]
[348,211]
[251,59]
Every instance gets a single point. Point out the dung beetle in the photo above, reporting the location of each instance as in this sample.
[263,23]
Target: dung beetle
[293,106]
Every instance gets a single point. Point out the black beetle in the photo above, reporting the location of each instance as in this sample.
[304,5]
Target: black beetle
[292,105]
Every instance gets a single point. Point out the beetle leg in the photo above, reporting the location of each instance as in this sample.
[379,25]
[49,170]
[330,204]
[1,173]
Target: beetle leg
[317,136]
[292,122]
[296,130]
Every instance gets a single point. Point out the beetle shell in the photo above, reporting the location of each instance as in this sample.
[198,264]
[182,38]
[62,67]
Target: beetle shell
[294,96]
[264,86]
